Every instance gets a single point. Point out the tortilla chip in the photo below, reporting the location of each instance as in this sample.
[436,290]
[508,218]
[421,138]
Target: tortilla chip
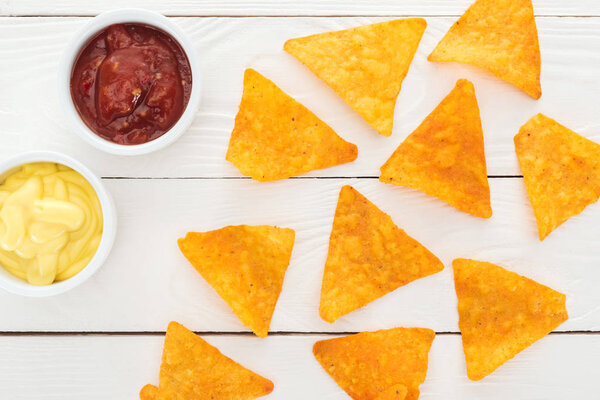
[368,364]
[369,256]
[365,66]
[444,156]
[501,313]
[192,369]
[561,170]
[275,137]
[499,36]
[245,265]
[396,392]
[149,392]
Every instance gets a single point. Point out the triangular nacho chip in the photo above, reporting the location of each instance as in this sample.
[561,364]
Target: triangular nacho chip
[365,66]
[368,365]
[561,170]
[149,392]
[501,313]
[245,265]
[396,392]
[444,156]
[499,36]
[275,137]
[192,369]
[369,256]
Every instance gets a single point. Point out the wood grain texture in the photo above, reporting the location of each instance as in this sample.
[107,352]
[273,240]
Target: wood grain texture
[31,118]
[282,7]
[147,282]
[115,367]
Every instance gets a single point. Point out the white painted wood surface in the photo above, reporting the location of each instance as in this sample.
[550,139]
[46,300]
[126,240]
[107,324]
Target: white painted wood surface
[282,7]
[146,282]
[116,367]
[31,117]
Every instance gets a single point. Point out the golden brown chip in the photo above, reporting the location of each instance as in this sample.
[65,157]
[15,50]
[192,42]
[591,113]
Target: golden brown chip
[275,137]
[501,313]
[369,256]
[561,170]
[245,265]
[367,365]
[499,36]
[396,392]
[149,392]
[192,369]
[444,156]
[364,65]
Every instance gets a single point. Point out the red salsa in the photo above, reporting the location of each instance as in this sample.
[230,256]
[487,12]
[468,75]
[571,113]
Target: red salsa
[131,83]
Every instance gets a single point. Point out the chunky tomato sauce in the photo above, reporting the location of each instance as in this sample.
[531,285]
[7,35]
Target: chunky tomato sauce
[131,83]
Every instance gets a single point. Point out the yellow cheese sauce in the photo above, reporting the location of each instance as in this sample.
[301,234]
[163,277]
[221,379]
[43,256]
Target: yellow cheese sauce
[50,223]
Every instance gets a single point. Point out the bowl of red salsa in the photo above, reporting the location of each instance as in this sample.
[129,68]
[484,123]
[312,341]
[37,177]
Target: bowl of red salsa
[129,82]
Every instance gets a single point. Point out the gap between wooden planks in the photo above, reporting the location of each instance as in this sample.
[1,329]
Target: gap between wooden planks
[212,333]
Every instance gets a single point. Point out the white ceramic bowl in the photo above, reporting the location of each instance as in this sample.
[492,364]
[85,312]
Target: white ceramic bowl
[81,38]
[15,285]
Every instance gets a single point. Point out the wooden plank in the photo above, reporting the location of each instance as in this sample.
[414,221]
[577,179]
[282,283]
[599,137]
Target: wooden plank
[146,282]
[116,367]
[283,7]
[31,117]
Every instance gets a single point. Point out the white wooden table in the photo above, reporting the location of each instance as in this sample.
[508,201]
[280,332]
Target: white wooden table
[103,340]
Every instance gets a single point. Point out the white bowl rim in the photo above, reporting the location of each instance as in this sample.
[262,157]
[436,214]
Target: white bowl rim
[81,38]
[16,285]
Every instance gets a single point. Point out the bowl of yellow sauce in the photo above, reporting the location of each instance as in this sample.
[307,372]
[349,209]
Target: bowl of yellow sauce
[57,223]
